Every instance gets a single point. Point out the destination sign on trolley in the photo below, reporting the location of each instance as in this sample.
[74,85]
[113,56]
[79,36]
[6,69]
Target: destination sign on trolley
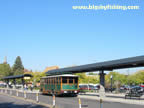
[26,78]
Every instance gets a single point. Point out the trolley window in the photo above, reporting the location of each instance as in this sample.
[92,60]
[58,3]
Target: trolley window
[64,79]
[71,80]
[76,79]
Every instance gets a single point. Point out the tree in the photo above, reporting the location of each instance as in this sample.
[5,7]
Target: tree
[140,76]
[91,73]
[18,67]
[93,79]
[118,79]
[37,76]
[5,70]
[136,78]
[83,78]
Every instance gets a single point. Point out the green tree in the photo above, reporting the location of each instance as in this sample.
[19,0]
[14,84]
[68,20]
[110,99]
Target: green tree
[136,78]
[37,76]
[83,78]
[117,78]
[18,67]
[140,76]
[91,73]
[5,70]
[93,79]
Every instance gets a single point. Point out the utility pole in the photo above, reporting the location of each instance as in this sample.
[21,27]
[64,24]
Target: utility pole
[111,82]
[5,60]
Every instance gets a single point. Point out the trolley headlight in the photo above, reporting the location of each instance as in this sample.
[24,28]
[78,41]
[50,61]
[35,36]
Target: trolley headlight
[75,91]
[65,91]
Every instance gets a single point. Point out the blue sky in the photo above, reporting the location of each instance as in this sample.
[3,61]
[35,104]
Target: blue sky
[46,33]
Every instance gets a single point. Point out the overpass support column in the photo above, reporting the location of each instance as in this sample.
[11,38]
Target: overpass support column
[23,83]
[14,82]
[102,78]
[7,84]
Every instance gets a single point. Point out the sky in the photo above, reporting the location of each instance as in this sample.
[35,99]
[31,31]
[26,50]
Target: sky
[49,32]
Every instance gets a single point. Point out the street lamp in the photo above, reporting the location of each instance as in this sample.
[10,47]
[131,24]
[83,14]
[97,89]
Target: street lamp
[111,82]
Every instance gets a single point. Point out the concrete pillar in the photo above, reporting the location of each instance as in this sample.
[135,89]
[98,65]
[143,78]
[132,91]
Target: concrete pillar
[102,78]
[14,82]
[7,82]
[23,83]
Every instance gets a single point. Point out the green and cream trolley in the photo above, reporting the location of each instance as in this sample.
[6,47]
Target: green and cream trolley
[60,85]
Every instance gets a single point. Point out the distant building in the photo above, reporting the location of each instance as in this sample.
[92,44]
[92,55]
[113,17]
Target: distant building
[1,82]
[5,60]
[26,71]
[51,68]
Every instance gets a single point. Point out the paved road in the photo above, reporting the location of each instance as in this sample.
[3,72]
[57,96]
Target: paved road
[72,102]
[10,102]
[61,102]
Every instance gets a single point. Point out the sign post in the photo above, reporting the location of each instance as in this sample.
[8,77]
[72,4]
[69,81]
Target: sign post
[101,95]
[101,103]
[53,101]
[79,103]
[37,97]
[10,92]
[25,94]
[17,93]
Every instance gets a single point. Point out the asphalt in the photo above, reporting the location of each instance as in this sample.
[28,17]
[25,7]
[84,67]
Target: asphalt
[11,102]
[72,102]
[110,97]
[61,102]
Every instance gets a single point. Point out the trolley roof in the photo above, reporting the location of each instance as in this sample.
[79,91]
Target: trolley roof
[65,75]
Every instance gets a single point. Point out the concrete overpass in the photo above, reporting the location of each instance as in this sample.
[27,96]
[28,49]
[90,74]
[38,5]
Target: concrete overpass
[131,62]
